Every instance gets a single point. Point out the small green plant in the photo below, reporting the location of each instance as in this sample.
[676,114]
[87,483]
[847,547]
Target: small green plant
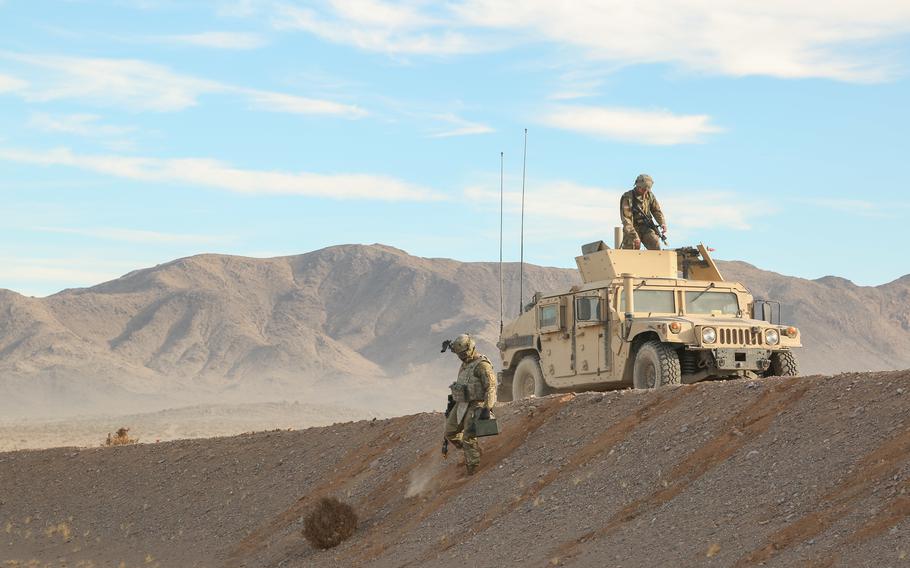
[121,438]
[330,523]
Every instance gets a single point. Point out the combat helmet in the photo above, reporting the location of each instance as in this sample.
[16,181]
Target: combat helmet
[463,344]
[644,180]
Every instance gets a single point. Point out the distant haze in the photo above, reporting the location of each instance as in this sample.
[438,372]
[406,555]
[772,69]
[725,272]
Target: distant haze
[353,325]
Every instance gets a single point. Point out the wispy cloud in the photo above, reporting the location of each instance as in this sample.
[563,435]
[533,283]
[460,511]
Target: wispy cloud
[216,40]
[280,102]
[128,83]
[40,276]
[777,38]
[237,8]
[88,125]
[459,126]
[565,209]
[10,84]
[373,25]
[136,236]
[659,127]
[203,172]
[143,86]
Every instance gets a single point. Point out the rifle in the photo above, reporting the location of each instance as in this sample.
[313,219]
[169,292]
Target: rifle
[648,221]
[450,404]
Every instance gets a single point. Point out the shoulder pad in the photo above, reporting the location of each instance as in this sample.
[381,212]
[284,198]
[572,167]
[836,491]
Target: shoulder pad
[483,359]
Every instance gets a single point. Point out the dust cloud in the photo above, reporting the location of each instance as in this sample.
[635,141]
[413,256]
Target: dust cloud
[421,479]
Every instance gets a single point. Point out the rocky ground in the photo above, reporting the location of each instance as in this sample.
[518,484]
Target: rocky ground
[808,472]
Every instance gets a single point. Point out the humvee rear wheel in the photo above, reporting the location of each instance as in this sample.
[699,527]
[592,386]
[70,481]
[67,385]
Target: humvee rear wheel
[656,364]
[783,364]
[528,379]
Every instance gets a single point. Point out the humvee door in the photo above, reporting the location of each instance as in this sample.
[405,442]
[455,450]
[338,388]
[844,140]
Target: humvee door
[555,343]
[591,351]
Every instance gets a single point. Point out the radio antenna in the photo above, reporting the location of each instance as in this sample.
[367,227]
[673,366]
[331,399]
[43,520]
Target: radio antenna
[501,162]
[521,266]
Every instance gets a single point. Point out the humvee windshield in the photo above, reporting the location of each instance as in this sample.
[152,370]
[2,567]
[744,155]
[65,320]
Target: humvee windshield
[653,301]
[710,302]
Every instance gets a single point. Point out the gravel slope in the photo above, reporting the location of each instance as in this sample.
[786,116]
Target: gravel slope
[808,471]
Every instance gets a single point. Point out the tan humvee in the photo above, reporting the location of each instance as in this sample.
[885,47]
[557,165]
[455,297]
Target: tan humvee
[643,319]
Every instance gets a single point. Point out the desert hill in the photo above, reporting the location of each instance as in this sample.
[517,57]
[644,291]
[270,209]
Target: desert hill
[345,319]
[845,327]
[810,471]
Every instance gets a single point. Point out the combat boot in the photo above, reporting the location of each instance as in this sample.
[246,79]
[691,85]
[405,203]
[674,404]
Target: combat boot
[471,468]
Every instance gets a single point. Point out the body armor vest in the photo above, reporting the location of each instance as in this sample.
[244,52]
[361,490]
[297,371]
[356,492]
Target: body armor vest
[468,387]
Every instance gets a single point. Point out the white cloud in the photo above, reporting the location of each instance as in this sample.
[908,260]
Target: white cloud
[127,83]
[238,8]
[564,209]
[10,84]
[373,25]
[459,127]
[140,85]
[80,124]
[41,276]
[658,127]
[280,102]
[219,175]
[135,236]
[776,37]
[217,40]
[840,39]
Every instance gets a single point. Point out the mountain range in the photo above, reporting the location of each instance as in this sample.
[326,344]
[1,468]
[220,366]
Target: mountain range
[355,324]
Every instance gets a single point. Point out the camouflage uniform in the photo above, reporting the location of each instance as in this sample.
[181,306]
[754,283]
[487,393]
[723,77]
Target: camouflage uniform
[634,226]
[477,381]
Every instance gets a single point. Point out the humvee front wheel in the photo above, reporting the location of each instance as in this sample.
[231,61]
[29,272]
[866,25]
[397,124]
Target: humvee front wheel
[528,379]
[656,364]
[783,364]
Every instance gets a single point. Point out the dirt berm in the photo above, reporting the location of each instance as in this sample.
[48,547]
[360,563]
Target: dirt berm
[784,472]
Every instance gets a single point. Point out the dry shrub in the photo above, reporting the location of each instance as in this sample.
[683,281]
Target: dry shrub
[121,438]
[330,523]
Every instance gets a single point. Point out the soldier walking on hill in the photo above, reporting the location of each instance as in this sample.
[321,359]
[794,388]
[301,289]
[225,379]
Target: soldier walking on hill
[636,207]
[473,397]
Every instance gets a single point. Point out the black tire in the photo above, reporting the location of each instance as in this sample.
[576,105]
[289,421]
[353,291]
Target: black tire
[783,364]
[656,364]
[528,379]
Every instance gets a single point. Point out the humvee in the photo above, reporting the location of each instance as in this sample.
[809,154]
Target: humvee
[643,319]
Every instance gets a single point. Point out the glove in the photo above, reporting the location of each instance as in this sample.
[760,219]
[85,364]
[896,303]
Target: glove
[484,414]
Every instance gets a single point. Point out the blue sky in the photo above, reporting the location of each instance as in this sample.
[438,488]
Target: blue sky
[136,132]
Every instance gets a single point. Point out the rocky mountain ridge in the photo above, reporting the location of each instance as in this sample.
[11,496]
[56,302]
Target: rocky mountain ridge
[341,319]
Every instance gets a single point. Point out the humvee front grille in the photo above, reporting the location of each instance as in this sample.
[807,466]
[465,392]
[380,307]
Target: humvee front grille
[738,336]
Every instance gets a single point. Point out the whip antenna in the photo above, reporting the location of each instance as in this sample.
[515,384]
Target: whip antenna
[501,161]
[521,266]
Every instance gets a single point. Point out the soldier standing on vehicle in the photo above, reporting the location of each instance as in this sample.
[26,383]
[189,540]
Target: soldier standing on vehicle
[473,394]
[636,207]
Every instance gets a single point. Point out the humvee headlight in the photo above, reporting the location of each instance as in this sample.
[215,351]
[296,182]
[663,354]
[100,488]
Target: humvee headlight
[772,337]
[675,326]
[708,335]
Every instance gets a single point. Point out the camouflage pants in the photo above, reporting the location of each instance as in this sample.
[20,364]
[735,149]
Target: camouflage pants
[461,434]
[648,238]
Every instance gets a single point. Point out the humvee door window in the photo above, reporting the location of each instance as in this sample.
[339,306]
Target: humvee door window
[548,316]
[587,309]
[652,301]
[711,302]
